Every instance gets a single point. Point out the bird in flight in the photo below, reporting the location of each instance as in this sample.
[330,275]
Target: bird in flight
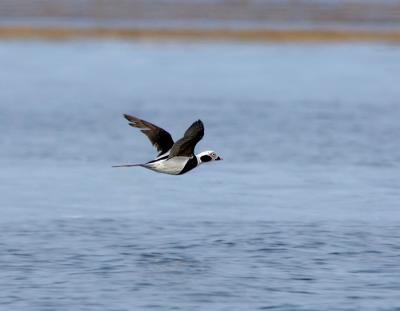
[174,158]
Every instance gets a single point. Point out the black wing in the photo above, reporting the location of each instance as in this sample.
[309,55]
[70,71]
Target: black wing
[160,138]
[185,145]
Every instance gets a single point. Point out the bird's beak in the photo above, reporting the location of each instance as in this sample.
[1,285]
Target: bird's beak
[218,159]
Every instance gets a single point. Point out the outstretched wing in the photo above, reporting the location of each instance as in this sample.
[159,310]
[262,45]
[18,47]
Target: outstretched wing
[185,145]
[160,138]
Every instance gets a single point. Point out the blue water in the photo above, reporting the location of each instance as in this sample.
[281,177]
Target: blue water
[302,214]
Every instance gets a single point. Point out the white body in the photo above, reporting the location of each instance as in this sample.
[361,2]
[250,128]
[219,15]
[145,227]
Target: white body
[177,165]
[168,166]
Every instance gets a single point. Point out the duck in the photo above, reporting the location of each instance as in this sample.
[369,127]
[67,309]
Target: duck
[174,158]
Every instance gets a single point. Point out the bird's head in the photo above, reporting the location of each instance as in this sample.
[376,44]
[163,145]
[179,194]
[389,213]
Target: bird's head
[208,156]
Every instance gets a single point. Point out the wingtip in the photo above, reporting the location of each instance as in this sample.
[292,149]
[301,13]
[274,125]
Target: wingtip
[200,122]
[131,119]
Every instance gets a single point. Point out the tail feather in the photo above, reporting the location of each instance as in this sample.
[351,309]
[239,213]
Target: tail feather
[127,165]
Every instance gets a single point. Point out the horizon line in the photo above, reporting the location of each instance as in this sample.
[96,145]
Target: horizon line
[198,34]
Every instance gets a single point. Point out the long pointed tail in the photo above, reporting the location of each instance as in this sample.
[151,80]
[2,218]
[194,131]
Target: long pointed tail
[127,165]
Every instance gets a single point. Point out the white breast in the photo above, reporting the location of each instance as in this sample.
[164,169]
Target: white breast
[169,166]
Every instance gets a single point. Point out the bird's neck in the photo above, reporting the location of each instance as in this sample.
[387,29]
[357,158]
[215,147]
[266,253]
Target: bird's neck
[203,157]
[198,157]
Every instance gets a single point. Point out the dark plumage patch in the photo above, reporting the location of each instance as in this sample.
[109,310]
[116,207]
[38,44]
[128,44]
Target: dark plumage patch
[191,164]
[205,158]
[160,138]
[185,146]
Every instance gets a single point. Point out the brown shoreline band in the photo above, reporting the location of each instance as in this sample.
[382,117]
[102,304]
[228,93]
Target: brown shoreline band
[314,35]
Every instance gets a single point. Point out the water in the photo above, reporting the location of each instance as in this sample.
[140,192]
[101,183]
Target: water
[302,214]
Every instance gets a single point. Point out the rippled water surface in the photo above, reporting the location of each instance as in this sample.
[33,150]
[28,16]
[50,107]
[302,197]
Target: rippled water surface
[302,214]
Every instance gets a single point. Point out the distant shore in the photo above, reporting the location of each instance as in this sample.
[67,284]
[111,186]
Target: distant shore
[232,20]
[254,35]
